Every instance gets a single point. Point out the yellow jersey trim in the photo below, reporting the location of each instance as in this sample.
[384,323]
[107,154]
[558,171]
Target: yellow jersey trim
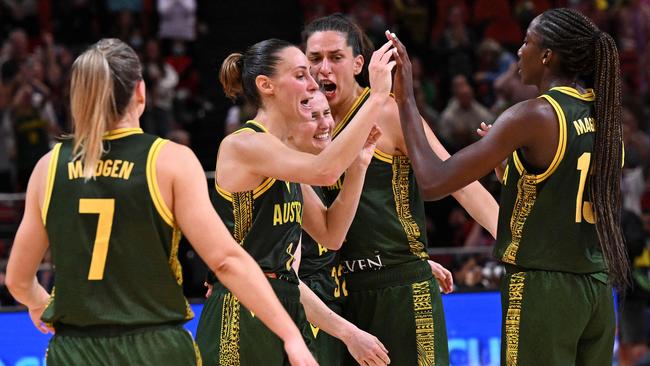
[380,155]
[225,194]
[253,122]
[49,185]
[263,187]
[121,132]
[562,140]
[243,129]
[588,95]
[347,116]
[518,163]
[152,182]
[561,145]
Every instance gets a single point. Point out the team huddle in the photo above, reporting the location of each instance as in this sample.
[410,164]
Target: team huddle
[314,229]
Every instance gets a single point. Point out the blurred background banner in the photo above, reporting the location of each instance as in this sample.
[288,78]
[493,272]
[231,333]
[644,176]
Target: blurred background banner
[473,326]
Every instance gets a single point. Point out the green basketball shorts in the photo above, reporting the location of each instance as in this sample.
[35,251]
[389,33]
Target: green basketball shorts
[402,307]
[230,334]
[556,319]
[122,345]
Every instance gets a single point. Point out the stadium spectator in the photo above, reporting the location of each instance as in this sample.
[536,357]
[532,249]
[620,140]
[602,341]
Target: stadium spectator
[462,116]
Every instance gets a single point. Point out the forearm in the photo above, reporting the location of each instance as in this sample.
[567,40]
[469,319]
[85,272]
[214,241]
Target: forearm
[323,317]
[342,211]
[244,278]
[480,204]
[423,159]
[345,148]
[28,292]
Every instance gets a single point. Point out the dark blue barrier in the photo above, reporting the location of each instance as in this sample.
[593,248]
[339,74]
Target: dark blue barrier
[473,326]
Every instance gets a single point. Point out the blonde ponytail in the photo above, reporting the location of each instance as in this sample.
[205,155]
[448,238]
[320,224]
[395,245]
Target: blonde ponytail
[102,84]
[92,106]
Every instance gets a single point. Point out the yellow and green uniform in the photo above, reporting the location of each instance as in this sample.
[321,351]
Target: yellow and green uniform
[321,271]
[391,291]
[105,233]
[267,222]
[556,286]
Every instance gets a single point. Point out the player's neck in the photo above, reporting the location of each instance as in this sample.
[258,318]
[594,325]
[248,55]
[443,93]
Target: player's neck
[342,109]
[275,122]
[129,120]
[549,83]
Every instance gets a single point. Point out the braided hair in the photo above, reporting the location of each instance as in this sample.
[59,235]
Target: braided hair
[585,51]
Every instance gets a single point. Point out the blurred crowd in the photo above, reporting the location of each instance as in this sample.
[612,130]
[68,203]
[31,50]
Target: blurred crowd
[464,65]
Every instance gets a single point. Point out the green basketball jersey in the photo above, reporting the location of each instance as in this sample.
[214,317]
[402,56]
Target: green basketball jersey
[266,221]
[389,226]
[320,268]
[114,241]
[545,218]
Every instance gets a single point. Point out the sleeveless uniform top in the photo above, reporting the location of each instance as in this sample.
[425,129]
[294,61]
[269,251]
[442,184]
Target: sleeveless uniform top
[389,226]
[114,240]
[266,221]
[320,268]
[546,221]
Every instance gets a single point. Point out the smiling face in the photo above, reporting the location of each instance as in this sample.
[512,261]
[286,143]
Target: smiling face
[315,134]
[333,64]
[292,85]
[531,56]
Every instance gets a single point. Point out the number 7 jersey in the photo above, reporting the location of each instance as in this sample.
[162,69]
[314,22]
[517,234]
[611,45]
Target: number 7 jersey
[114,241]
[546,220]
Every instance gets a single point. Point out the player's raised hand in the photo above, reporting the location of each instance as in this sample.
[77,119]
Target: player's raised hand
[380,67]
[403,84]
[365,156]
[483,129]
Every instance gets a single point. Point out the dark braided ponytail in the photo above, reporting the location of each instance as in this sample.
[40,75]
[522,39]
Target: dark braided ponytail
[585,51]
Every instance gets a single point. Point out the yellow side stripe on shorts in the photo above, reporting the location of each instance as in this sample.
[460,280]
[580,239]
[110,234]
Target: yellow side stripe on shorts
[424,326]
[513,317]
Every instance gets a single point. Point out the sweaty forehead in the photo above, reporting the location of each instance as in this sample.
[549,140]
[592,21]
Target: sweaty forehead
[327,42]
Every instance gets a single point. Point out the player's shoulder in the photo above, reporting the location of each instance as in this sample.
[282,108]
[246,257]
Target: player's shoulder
[175,153]
[247,142]
[530,110]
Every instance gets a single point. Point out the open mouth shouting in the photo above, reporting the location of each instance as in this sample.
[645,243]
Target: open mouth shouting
[328,88]
[305,105]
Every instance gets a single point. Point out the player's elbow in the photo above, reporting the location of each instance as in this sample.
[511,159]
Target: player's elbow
[14,283]
[432,192]
[327,176]
[224,265]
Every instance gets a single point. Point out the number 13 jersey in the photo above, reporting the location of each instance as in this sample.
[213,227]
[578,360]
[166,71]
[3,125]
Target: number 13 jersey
[114,241]
[546,219]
